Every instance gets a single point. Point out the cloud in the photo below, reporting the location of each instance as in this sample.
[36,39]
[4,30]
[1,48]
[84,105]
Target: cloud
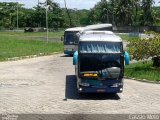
[79,4]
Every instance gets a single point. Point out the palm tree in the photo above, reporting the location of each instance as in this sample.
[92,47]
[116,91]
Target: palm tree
[113,5]
[124,12]
[48,3]
[136,6]
[70,21]
[38,3]
[147,17]
[92,16]
[104,12]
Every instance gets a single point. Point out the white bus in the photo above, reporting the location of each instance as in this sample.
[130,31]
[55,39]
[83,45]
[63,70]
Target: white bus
[71,37]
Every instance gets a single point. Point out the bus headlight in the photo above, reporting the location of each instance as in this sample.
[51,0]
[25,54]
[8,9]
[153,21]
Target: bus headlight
[121,89]
[117,85]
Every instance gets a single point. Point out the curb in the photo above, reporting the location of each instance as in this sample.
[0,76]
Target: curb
[142,80]
[31,56]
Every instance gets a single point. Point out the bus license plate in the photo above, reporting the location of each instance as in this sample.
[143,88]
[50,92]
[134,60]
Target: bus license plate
[100,90]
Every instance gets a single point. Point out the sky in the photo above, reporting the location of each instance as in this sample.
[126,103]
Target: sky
[78,4]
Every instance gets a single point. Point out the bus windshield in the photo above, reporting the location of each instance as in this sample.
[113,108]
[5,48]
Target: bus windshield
[101,63]
[71,38]
[100,47]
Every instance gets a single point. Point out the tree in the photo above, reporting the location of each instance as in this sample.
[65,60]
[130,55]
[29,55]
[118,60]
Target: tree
[83,14]
[113,10]
[54,13]
[70,21]
[119,12]
[104,13]
[92,16]
[146,48]
[9,14]
[136,4]
[147,15]
[101,13]
[124,12]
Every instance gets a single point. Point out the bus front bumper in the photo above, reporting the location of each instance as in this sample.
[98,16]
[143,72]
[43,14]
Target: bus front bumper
[68,52]
[107,87]
[100,90]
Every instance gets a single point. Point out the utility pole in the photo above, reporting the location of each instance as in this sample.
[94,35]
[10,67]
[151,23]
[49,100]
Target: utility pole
[38,3]
[47,19]
[10,21]
[39,25]
[17,17]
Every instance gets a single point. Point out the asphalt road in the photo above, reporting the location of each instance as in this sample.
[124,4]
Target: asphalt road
[47,85]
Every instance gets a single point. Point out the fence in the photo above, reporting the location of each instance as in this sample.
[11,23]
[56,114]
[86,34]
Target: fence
[116,29]
[138,29]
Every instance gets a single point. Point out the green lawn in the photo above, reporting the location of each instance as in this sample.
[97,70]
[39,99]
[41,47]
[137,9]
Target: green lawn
[126,37]
[143,71]
[57,34]
[17,44]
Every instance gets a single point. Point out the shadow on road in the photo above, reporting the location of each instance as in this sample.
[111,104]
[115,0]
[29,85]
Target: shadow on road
[66,55]
[71,92]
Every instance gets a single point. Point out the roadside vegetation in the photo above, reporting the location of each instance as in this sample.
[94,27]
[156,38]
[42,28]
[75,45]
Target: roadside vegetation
[56,34]
[143,70]
[17,44]
[117,12]
[127,37]
[142,49]
[145,49]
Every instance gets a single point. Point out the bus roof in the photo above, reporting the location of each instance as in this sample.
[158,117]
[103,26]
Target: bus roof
[90,27]
[97,26]
[75,29]
[105,36]
[98,32]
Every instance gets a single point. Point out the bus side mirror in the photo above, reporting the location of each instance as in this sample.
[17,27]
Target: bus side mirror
[75,57]
[62,38]
[126,58]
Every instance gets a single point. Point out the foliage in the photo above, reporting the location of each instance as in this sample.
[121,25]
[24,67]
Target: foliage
[147,17]
[145,48]
[117,12]
[36,17]
[123,12]
[157,14]
[83,17]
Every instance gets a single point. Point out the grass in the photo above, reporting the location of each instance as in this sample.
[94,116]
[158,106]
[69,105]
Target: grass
[57,34]
[143,71]
[126,37]
[19,45]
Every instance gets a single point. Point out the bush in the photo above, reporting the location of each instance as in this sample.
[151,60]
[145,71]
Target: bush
[145,48]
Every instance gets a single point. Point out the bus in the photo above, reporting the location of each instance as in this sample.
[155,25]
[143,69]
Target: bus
[71,39]
[99,62]
[71,36]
